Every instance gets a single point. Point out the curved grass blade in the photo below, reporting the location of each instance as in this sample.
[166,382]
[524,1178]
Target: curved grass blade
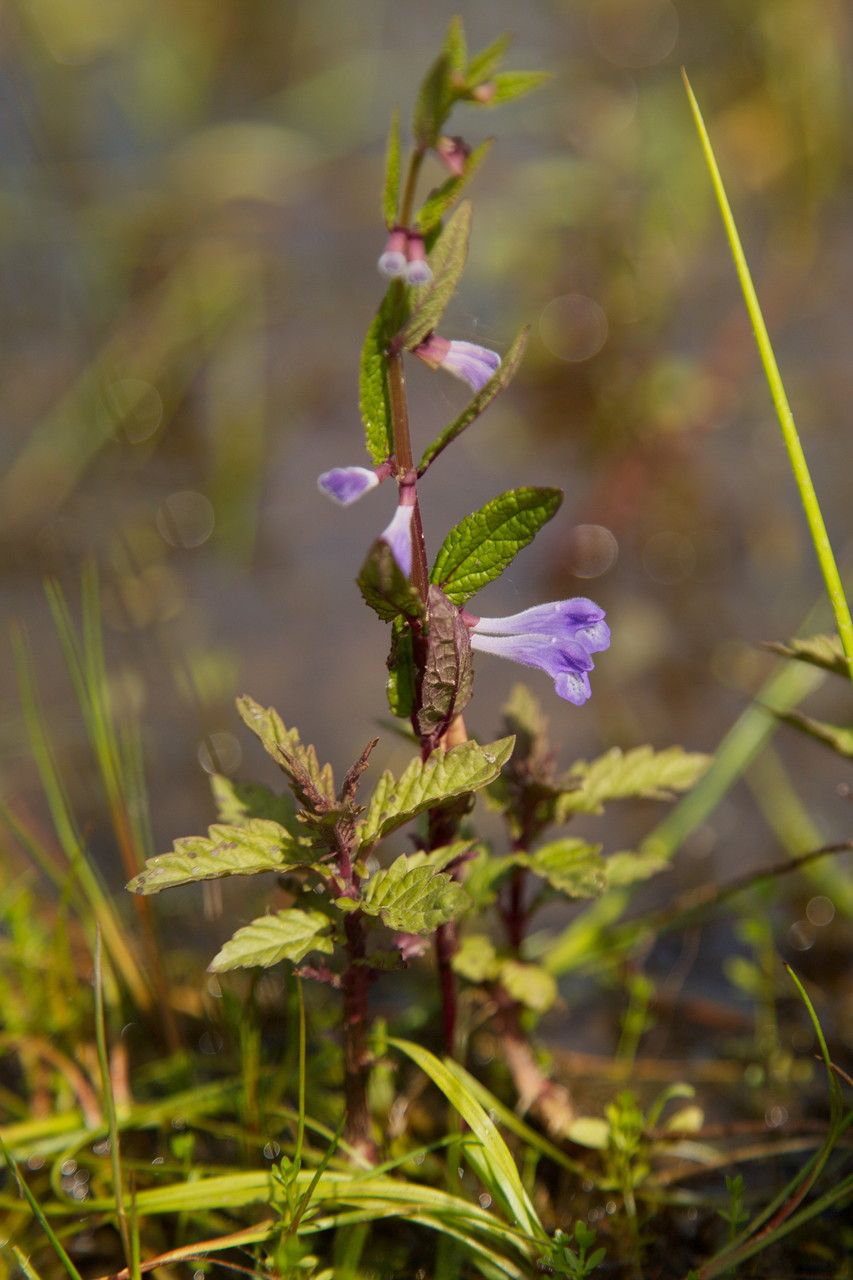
[38,1213]
[496,1166]
[796,455]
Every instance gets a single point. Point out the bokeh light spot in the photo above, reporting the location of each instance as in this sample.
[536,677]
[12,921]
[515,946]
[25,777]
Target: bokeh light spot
[573,327]
[633,33]
[131,407]
[186,519]
[669,557]
[592,549]
[220,752]
[820,910]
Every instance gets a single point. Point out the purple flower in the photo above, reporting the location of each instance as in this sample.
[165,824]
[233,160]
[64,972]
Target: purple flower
[577,619]
[454,152]
[418,269]
[398,535]
[558,637]
[394,260]
[466,360]
[347,484]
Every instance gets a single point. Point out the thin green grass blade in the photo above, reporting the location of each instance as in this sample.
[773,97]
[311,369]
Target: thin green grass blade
[109,1104]
[796,454]
[38,1213]
[67,832]
[25,1265]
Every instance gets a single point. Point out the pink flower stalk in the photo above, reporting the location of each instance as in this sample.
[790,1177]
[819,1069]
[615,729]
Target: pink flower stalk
[394,260]
[418,270]
[453,153]
[466,360]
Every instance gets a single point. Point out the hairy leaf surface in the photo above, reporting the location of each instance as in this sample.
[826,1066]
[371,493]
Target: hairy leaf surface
[413,899]
[287,935]
[385,588]
[391,187]
[571,866]
[444,776]
[448,674]
[256,845]
[298,762]
[237,802]
[618,775]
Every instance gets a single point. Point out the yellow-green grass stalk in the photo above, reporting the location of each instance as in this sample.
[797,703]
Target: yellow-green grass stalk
[790,435]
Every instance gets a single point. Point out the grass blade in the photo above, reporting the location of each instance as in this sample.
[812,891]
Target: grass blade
[38,1214]
[796,455]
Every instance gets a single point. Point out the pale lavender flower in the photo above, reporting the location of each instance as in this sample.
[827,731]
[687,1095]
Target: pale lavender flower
[577,619]
[418,269]
[394,260]
[558,637]
[466,360]
[345,485]
[398,535]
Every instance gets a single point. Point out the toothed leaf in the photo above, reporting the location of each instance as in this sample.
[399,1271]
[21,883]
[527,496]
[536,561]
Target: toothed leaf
[246,850]
[444,776]
[481,546]
[287,935]
[412,899]
[617,775]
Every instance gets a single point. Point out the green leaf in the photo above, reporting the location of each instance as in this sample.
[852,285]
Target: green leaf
[441,858]
[444,197]
[529,984]
[255,846]
[448,675]
[384,586]
[444,776]
[433,103]
[482,545]
[481,401]
[288,935]
[476,959]
[838,738]
[484,875]
[393,161]
[447,261]
[237,802]
[455,47]
[484,64]
[821,651]
[627,867]
[400,686]
[310,780]
[373,395]
[509,85]
[412,899]
[642,773]
[571,866]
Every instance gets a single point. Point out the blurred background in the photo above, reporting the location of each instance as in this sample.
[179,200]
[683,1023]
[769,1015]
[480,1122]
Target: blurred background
[189,224]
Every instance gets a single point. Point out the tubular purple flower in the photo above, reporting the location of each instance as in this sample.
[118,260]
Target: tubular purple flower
[566,661]
[398,535]
[557,637]
[418,269]
[394,260]
[345,485]
[466,360]
[576,619]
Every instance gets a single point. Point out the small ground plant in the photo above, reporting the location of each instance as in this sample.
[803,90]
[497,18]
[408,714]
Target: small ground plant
[319,1159]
